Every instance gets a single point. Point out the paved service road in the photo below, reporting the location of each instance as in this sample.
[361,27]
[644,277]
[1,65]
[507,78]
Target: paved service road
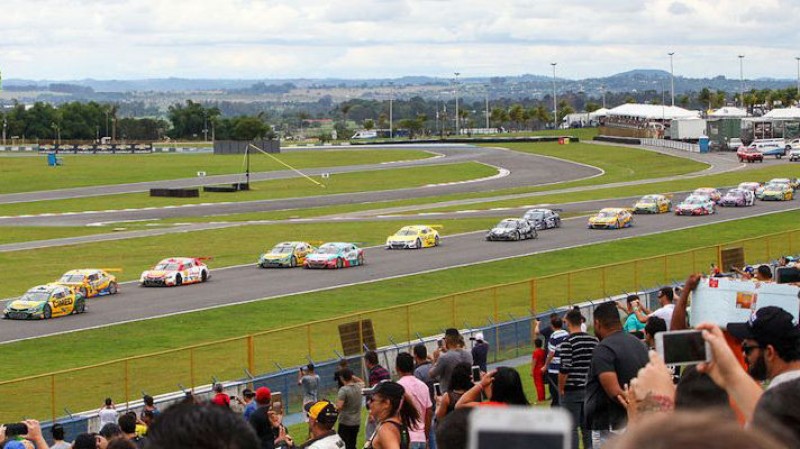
[248,283]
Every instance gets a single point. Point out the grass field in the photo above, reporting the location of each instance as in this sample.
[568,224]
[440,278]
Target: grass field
[14,234]
[27,174]
[285,188]
[89,347]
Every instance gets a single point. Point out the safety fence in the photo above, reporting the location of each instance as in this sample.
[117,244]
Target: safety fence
[47,396]
[674,144]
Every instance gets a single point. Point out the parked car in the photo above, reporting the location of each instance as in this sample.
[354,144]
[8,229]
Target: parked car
[747,154]
[734,143]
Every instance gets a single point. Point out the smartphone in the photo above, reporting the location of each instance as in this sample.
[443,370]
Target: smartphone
[437,389]
[476,373]
[684,347]
[15,429]
[519,428]
[276,402]
[440,343]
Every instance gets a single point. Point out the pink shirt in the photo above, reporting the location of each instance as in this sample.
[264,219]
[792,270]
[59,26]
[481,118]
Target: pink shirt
[421,396]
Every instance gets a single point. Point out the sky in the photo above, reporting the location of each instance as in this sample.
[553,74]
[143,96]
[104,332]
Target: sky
[268,39]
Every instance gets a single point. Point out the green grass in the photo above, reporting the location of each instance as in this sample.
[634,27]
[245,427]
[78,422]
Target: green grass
[27,174]
[15,234]
[265,190]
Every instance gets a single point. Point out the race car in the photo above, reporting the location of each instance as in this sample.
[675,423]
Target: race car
[611,218]
[751,186]
[44,302]
[696,205]
[738,198]
[176,271]
[777,192]
[413,237]
[542,219]
[512,229]
[794,183]
[652,204]
[710,192]
[335,255]
[90,282]
[285,254]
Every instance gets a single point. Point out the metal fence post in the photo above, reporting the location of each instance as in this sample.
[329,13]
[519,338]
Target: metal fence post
[666,270]
[496,305]
[791,246]
[308,338]
[635,273]
[191,368]
[768,250]
[719,257]
[251,353]
[533,293]
[603,274]
[408,323]
[127,384]
[694,261]
[453,306]
[53,396]
[569,287]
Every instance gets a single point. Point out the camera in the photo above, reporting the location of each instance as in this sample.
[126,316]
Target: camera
[15,429]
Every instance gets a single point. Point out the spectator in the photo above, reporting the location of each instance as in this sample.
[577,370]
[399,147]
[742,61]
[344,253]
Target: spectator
[420,396]
[480,351]
[119,443]
[249,403]
[348,403]
[264,422]
[309,383]
[665,298]
[32,439]
[445,359]
[615,361]
[377,374]
[654,325]
[453,431]
[337,375]
[111,431]
[145,421]
[107,413]
[537,363]
[394,414]
[632,324]
[686,430]
[548,330]
[762,274]
[58,437]
[576,356]
[220,398]
[127,423]
[553,363]
[149,405]
[322,417]
[422,364]
[190,426]
[584,328]
[460,383]
[87,441]
[777,412]
[697,392]
[502,386]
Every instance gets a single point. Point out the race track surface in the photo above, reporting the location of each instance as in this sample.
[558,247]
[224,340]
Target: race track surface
[248,283]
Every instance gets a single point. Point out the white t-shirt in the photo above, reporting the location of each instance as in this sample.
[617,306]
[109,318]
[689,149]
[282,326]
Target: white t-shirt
[665,313]
[333,441]
[107,416]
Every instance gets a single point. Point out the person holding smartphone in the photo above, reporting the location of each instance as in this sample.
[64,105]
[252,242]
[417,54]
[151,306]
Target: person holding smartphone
[394,414]
[501,386]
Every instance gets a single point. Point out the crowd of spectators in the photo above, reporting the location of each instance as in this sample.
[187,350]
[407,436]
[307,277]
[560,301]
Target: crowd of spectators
[616,391]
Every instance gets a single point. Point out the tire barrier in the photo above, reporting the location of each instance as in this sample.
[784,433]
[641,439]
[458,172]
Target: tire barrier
[612,139]
[176,193]
[235,187]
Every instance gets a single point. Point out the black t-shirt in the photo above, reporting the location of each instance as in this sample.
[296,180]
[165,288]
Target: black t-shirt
[623,354]
[260,422]
[480,352]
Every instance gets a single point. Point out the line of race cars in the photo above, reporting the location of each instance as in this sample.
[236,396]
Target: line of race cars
[69,293]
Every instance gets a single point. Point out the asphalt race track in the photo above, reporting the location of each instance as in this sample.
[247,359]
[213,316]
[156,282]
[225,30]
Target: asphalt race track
[248,283]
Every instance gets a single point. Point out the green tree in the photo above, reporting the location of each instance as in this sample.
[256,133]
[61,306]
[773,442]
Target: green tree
[369,124]
[250,128]
[592,106]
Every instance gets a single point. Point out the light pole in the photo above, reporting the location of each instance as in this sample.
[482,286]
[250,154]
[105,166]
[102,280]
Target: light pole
[106,122]
[487,110]
[391,98]
[603,90]
[555,103]
[798,80]
[672,78]
[5,125]
[457,117]
[741,80]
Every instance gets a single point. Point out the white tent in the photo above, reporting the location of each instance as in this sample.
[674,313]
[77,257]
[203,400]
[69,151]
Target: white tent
[728,112]
[787,113]
[602,112]
[652,112]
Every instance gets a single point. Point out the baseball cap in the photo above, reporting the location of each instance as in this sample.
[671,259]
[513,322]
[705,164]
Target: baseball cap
[386,388]
[768,326]
[322,411]
[263,394]
[248,393]
[478,337]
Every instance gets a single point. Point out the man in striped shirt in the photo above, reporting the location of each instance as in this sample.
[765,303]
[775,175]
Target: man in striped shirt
[576,357]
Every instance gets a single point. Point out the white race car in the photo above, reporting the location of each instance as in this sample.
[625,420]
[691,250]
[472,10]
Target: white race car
[176,271]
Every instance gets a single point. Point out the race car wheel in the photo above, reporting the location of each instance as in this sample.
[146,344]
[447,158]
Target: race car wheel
[48,312]
[80,306]
[436,241]
[361,259]
[419,244]
[339,263]
[517,236]
[558,223]
[178,280]
[293,262]
[203,276]
[113,288]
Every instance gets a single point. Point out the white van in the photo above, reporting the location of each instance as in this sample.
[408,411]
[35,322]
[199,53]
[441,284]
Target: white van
[769,147]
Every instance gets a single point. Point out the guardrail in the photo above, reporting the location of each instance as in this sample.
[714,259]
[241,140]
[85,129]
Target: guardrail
[674,144]
[46,395]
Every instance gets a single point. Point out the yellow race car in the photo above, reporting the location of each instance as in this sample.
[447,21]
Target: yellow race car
[777,192]
[44,302]
[611,218]
[413,237]
[286,254]
[90,282]
[653,204]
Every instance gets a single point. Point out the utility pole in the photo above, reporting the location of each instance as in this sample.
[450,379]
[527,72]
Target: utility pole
[603,90]
[741,80]
[391,119]
[555,101]
[487,110]
[458,133]
[672,78]
[798,80]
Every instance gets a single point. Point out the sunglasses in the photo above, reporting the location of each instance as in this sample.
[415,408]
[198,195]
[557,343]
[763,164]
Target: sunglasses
[748,349]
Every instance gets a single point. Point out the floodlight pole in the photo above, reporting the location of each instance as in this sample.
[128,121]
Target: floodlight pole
[391,119]
[741,80]
[603,90]
[555,102]
[487,109]
[457,117]
[247,165]
[672,77]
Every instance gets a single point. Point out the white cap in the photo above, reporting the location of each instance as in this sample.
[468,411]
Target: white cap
[478,336]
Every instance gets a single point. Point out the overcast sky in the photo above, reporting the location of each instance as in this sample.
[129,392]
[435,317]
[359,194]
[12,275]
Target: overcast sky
[124,39]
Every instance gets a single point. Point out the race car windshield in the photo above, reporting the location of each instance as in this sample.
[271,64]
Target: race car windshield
[774,186]
[607,214]
[535,215]
[282,250]
[328,250]
[735,194]
[167,267]
[36,296]
[695,200]
[507,225]
[71,278]
[649,199]
[407,232]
